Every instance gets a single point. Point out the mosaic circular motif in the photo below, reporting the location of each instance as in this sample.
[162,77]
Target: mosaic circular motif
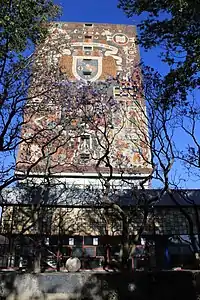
[120,39]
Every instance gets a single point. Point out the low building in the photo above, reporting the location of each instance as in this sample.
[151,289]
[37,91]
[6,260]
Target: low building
[80,223]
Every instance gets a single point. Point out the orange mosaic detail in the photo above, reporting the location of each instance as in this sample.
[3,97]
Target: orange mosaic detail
[65,65]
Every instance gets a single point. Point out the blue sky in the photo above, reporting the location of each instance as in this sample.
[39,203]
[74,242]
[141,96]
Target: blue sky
[106,11]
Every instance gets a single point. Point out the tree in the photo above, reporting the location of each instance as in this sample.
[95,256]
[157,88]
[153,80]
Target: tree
[182,121]
[173,26]
[109,121]
[22,26]
[65,113]
[112,126]
[187,122]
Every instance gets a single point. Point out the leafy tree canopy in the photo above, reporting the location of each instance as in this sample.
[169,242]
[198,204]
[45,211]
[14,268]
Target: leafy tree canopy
[21,23]
[174,26]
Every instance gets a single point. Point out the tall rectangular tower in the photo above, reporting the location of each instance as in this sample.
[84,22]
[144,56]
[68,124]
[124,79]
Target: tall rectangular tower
[86,116]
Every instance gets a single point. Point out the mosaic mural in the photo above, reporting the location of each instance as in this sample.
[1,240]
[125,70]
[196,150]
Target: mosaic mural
[89,53]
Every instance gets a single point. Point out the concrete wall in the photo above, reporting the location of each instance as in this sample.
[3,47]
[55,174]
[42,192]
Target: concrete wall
[139,286]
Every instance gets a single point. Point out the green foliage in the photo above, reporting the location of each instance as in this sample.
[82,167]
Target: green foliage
[22,23]
[175,27]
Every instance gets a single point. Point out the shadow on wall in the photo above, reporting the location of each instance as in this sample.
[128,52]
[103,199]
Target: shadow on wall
[139,286]
[173,285]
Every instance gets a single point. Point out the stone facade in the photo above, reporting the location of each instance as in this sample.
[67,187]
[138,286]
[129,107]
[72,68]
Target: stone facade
[94,53]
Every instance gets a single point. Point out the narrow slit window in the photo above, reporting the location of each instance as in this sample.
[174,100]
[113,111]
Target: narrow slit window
[85,137]
[87,48]
[88,25]
[116,91]
[88,36]
[87,72]
[84,156]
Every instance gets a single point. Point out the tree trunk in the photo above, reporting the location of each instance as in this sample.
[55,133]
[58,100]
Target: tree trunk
[37,262]
[124,253]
